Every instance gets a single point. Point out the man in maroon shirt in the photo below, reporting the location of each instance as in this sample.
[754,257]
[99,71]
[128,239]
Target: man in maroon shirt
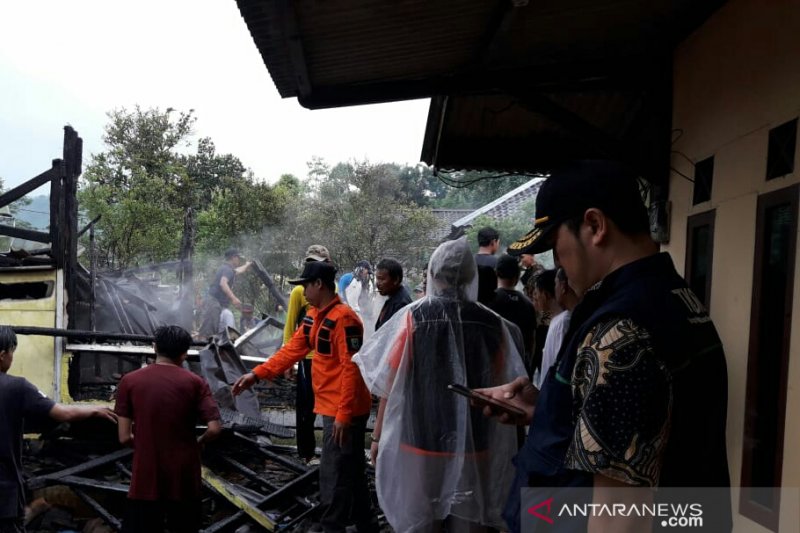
[160,405]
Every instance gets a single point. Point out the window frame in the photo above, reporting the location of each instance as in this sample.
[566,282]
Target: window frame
[706,218]
[702,166]
[767,517]
[775,152]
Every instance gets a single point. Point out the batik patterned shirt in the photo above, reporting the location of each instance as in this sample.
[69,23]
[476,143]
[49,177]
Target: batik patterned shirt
[623,399]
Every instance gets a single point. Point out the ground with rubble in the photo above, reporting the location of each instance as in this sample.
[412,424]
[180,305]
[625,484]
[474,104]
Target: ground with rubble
[253,479]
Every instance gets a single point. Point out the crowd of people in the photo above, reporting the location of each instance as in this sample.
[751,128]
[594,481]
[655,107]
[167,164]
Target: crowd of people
[603,373]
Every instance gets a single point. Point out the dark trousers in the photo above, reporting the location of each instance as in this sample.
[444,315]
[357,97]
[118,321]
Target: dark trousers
[146,516]
[210,323]
[12,525]
[344,495]
[304,409]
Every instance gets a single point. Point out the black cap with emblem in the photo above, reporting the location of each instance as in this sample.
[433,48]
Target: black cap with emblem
[571,190]
[314,270]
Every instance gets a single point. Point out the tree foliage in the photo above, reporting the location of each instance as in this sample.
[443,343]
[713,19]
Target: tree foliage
[144,182]
[361,210]
[152,171]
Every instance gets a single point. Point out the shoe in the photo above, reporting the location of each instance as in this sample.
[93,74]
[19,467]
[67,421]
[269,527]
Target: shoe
[312,462]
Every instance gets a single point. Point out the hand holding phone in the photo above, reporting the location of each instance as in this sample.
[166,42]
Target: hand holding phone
[483,400]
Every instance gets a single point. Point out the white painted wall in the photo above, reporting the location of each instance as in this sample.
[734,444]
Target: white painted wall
[735,78]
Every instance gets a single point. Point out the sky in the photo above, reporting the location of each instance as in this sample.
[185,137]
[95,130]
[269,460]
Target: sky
[70,62]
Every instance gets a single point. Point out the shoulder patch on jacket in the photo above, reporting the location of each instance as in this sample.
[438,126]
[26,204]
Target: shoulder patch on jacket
[354,343]
[354,336]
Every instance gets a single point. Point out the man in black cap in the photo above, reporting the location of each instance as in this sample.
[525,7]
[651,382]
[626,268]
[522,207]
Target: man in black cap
[334,332]
[220,293]
[638,393]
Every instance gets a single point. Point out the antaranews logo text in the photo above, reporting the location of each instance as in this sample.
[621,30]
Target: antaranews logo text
[670,514]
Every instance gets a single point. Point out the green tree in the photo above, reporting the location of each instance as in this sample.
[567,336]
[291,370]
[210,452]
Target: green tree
[360,210]
[136,186]
[144,182]
[238,211]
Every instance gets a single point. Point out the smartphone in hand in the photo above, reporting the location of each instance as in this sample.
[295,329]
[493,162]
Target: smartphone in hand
[483,399]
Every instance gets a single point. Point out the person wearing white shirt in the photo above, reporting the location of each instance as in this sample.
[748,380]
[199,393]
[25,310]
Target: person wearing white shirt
[559,324]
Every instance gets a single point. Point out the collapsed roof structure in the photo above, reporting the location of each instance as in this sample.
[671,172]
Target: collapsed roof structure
[80,330]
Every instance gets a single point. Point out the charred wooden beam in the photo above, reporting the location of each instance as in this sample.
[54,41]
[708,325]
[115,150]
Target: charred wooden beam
[264,276]
[87,483]
[272,456]
[299,518]
[110,519]
[92,276]
[293,485]
[229,521]
[56,208]
[90,225]
[73,153]
[82,334]
[41,481]
[253,509]
[27,234]
[231,492]
[32,184]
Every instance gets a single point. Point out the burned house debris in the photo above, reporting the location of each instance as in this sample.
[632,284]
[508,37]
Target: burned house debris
[80,330]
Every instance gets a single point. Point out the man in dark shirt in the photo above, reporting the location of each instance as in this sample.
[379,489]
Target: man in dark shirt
[637,396]
[389,280]
[21,403]
[488,244]
[220,292]
[513,305]
[160,405]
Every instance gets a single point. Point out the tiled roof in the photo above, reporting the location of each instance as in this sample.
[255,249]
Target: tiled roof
[445,218]
[506,206]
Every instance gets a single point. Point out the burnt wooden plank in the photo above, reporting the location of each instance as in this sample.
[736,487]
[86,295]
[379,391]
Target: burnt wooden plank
[112,520]
[87,483]
[32,184]
[73,148]
[27,234]
[89,225]
[41,481]
[56,205]
[83,334]
[264,276]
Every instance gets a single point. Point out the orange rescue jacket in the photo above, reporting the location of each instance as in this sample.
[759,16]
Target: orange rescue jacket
[335,334]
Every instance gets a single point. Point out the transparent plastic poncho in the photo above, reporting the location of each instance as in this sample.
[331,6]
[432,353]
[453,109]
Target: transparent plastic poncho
[438,456]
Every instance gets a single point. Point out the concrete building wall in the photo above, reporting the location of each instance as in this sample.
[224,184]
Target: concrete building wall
[735,78]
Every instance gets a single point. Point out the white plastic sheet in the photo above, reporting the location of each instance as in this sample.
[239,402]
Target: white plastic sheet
[439,456]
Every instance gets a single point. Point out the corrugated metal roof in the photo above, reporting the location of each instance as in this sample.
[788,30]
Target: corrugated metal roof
[340,52]
[530,83]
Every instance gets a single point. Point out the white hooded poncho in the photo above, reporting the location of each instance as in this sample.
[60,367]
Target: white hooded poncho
[439,456]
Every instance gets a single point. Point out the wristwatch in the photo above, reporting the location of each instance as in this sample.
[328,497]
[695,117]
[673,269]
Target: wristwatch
[373,438]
